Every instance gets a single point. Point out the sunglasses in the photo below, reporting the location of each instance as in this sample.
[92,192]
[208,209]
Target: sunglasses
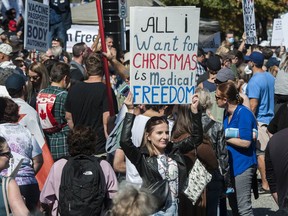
[217,97]
[34,77]
[6,154]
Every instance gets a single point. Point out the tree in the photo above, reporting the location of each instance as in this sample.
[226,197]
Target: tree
[229,12]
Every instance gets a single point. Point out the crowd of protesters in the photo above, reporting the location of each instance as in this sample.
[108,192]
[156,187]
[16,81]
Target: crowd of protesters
[236,124]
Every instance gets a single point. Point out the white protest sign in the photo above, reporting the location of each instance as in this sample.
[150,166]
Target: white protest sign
[36,26]
[249,21]
[285,30]
[210,42]
[81,33]
[277,34]
[163,61]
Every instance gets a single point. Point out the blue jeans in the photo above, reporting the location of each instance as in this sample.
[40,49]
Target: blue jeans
[58,31]
[214,190]
[240,201]
[171,209]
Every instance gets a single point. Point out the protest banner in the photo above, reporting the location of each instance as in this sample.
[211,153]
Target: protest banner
[285,30]
[210,42]
[81,33]
[36,26]
[277,34]
[249,21]
[163,61]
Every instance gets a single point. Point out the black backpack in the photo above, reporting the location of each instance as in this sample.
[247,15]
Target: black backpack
[83,187]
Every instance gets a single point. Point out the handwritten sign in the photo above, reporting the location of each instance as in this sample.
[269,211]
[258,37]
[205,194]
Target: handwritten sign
[163,61]
[36,26]
[249,21]
[277,34]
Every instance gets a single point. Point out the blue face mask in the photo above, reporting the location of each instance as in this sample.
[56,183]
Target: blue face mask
[231,40]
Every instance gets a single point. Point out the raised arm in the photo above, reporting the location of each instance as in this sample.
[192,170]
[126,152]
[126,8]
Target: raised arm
[130,150]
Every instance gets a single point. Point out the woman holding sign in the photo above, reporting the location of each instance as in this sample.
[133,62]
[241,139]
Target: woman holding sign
[163,171]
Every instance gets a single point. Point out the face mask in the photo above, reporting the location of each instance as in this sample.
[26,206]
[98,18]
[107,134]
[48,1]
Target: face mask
[231,40]
[248,69]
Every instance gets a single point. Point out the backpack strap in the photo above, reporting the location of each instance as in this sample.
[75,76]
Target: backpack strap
[208,126]
[5,182]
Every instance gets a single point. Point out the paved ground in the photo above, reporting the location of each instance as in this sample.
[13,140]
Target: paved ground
[263,206]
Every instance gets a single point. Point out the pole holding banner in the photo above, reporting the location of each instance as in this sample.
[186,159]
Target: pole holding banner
[105,62]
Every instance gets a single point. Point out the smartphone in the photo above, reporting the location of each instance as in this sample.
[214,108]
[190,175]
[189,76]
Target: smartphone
[125,91]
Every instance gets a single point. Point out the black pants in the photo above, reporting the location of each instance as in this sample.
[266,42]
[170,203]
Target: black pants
[31,194]
[214,190]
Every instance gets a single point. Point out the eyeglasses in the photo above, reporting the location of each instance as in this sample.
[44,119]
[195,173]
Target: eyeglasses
[34,77]
[217,97]
[6,154]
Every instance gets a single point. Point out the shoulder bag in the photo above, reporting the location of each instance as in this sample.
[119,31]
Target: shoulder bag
[197,180]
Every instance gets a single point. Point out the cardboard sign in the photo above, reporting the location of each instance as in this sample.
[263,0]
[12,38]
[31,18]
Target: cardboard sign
[163,61]
[277,34]
[249,21]
[285,30]
[36,26]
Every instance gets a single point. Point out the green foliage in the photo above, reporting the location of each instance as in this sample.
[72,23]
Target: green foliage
[229,12]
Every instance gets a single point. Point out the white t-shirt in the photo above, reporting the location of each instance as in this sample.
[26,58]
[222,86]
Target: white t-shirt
[132,175]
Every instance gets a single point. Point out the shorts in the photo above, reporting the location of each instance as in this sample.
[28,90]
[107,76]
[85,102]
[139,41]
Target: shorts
[262,139]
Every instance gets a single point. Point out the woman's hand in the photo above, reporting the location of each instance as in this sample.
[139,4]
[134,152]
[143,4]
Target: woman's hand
[129,102]
[195,103]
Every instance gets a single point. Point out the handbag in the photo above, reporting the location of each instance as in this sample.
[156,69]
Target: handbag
[160,190]
[197,180]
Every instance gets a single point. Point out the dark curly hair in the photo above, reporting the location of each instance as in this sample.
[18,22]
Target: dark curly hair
[8,111]
[81,140]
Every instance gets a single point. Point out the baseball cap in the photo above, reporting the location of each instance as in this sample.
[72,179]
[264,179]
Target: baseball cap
[214,63]
[264,43]
[126,57]
[272,62]
[14,83]
[257,58]
[224,75]
[5,49]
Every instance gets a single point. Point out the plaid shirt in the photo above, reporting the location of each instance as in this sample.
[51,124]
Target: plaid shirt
[200,70]
[58,141]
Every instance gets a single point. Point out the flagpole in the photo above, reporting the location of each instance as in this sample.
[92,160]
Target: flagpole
[105,62]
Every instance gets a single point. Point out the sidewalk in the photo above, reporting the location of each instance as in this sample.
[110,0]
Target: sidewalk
[263,206]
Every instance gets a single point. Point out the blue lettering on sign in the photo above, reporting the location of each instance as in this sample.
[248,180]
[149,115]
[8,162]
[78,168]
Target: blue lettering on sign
[163,94]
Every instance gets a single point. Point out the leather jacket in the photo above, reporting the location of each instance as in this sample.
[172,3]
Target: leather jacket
[147,166]
[217,138]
